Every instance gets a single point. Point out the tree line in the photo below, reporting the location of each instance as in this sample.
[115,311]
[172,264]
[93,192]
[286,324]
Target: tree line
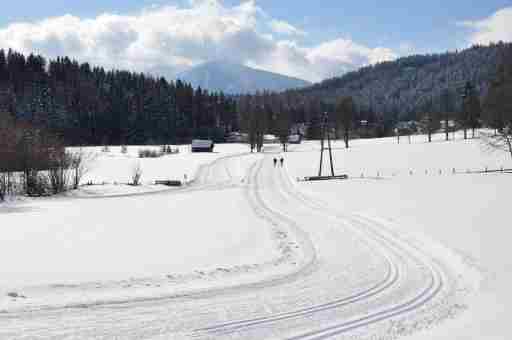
[86,105]
[283,114]
[422,93]
[404,87]
[464,107]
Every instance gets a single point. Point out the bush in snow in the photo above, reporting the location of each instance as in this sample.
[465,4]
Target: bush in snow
[148,153]
[136,174]
[81,163]
[124,149]
[58,172]
[3,186]
[36,184]
[168,150]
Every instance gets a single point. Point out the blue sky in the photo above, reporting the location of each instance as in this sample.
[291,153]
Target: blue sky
[361,32]
[429,25]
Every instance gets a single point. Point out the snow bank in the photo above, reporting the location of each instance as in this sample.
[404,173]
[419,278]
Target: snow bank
[53,243]
[466,213]
[115,167]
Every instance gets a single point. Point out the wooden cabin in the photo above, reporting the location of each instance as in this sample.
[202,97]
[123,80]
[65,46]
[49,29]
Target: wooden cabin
[200,145]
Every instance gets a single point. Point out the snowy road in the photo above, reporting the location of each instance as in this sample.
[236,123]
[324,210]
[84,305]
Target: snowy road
[338,275]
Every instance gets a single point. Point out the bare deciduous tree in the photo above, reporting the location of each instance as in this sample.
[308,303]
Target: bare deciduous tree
[136,174]
[447,105]
[3,186]
[501,140]
[498,109]
[58,172]
[7,143]
[81,163]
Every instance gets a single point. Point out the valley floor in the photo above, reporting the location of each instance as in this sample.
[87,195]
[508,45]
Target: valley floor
[405,247]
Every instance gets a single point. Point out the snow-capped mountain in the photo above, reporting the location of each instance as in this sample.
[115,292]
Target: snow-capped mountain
[238,79]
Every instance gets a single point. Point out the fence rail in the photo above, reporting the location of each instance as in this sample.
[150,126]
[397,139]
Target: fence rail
[432,172]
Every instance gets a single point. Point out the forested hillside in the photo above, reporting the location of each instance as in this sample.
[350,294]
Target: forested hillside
[87,105]
[413,85]
[417,93]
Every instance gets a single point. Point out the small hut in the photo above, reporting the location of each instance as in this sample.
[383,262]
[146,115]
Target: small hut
[295,139]
[200,145]
[237,137]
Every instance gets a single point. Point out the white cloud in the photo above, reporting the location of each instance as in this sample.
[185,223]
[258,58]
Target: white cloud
[169,39]
[492,29]
[285,28]
[325,60]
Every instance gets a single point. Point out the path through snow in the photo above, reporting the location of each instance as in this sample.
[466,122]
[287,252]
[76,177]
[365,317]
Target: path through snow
[336,275]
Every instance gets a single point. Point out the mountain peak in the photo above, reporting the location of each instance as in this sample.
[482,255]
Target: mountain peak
[233,78]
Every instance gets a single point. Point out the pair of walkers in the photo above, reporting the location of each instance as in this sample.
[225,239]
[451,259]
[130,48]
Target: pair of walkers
[281,161]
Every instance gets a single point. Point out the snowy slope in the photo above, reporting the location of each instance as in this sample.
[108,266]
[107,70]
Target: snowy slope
[368,258]
[465,213]
[236,79]
[114,166]
[138,246]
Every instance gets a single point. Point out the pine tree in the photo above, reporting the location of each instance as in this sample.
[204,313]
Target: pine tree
[344,117]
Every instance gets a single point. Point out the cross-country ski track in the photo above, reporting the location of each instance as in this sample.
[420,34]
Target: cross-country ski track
[339,275]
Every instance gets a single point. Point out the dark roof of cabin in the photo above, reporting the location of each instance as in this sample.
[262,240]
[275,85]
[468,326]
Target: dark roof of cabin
[202,144]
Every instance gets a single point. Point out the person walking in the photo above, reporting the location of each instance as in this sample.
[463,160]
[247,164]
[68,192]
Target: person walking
[275,162]
[282,161]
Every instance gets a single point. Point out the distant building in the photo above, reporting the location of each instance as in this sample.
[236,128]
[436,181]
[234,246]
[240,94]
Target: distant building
[364,129]
[299,129]
[406,128]
[295,139]
[270,139]
[237,137]
[199,145]
[451,125]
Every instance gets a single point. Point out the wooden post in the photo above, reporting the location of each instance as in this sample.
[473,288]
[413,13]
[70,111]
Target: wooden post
[330,149]
[321,156]
[322,146]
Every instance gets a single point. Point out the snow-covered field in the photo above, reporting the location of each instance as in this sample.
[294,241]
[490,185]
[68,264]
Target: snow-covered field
[111,243]
[111,171]
[467,213]
[403,248]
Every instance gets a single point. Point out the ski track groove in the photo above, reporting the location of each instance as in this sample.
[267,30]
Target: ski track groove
[204,175]
[426,295]
[436,279]
[390,279]
[434,288]
[202,182]
[378,239]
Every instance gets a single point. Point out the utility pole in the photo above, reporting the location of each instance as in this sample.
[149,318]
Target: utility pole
[325,130]
[321,150]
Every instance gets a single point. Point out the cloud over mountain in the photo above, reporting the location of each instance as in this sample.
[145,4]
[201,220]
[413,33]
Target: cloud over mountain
[170,39]
[494,28]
